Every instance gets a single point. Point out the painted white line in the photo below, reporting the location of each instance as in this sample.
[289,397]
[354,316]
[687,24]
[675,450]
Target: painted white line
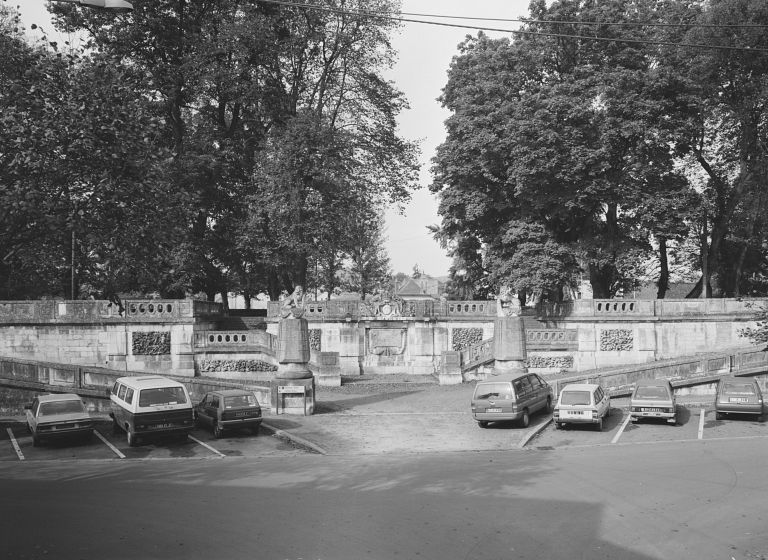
[15,444]
[114,449]
[219,453]
[701,424]
[621,430]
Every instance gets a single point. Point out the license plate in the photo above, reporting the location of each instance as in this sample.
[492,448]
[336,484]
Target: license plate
[738,399]
[652,410]
[493,410]
[574,412]
[241,414]
[161,426]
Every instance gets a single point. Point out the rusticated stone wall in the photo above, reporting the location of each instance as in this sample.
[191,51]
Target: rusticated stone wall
[465,337]
[616,340]
[154,343]
[208,366]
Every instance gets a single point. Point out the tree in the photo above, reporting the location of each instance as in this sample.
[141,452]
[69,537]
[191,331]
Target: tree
[557,147]
[369,268]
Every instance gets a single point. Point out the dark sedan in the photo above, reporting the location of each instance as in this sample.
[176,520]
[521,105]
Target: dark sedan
[229,409]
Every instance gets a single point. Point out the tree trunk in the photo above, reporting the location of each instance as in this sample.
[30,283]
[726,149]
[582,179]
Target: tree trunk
[663,283]
[705,290]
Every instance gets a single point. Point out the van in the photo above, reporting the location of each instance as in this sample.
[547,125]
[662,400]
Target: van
[582,403]
[510,397]
[150,405]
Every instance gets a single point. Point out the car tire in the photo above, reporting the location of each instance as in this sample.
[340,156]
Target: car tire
[131,438]
[558,426]
[600,424]
[482,423]
[217,431]
[525,420]
[718,415]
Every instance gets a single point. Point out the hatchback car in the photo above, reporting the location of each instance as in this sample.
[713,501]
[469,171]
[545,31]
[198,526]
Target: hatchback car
[510,397]
[582,403]
[58,417]
[229,409]
[738,395]
[653,398]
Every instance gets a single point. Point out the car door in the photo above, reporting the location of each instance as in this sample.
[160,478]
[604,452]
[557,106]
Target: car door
[539,390]
[527,394]
[201,410]
[31,413]
[602,402]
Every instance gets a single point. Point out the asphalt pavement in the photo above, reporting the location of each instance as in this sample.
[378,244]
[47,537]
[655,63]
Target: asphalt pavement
[404,414]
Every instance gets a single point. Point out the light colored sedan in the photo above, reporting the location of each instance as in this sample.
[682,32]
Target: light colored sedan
[57,417]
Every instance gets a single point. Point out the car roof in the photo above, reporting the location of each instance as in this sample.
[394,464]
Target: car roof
[503,377]
[652,382]
[580,387]
[231,392]
[148,381]
[59,397]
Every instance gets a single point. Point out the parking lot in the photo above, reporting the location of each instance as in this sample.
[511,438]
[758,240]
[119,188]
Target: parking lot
[16,445]
[694,423]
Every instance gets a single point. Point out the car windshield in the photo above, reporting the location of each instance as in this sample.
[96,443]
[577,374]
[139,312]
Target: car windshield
[739,389]
[240,401]
[574,397]
[651,393]
[60,407]
[162,395]
[493,390]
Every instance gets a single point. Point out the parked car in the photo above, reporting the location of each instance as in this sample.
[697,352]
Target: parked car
[511,397]
[582,403]
[57,417]
[150,405]
[229,409]
[653,398]
[738,395]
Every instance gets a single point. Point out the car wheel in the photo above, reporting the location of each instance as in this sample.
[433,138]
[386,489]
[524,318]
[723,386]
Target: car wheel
[217,431]
[558,426]
[526,419]
[131,437]
[482,423]
[718,415]
[600,425]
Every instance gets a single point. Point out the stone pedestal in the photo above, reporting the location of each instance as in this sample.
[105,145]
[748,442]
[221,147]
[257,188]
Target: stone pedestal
[450,368]
[293,388]
[293,396]
[509,345]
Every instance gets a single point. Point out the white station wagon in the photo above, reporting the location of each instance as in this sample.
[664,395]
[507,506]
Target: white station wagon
[582,403]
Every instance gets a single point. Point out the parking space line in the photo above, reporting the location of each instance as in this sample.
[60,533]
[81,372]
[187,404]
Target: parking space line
[114,449]
[621,430]
[219,453]
[15,444]
[701,424]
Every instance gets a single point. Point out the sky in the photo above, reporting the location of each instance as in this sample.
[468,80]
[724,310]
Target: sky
[425,53]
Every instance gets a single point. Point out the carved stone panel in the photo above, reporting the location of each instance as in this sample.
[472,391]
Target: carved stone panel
[386,342]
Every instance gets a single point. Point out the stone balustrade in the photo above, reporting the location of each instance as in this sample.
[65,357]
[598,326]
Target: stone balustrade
[606,309]
[356,310]
[241,341]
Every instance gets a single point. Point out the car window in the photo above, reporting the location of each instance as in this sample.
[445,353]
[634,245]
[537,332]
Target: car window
[738,388]
[240,401]
[215,401]
[526,385]
[129,396]
[536,381]
[121,392]
[493,391]
[597,396]
[162,395]
[204,402]
[35,406]
[575,397]
[652,393]
[114,388]
[60,407]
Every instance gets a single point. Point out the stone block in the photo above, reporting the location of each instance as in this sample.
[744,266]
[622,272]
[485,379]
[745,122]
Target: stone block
[293,396]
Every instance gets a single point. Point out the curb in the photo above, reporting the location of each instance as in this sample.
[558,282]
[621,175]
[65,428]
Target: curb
[533,433]
[282,434]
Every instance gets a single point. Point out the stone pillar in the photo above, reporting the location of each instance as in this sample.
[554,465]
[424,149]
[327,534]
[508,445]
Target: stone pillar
[293,388]
[450,368]
[509,345]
